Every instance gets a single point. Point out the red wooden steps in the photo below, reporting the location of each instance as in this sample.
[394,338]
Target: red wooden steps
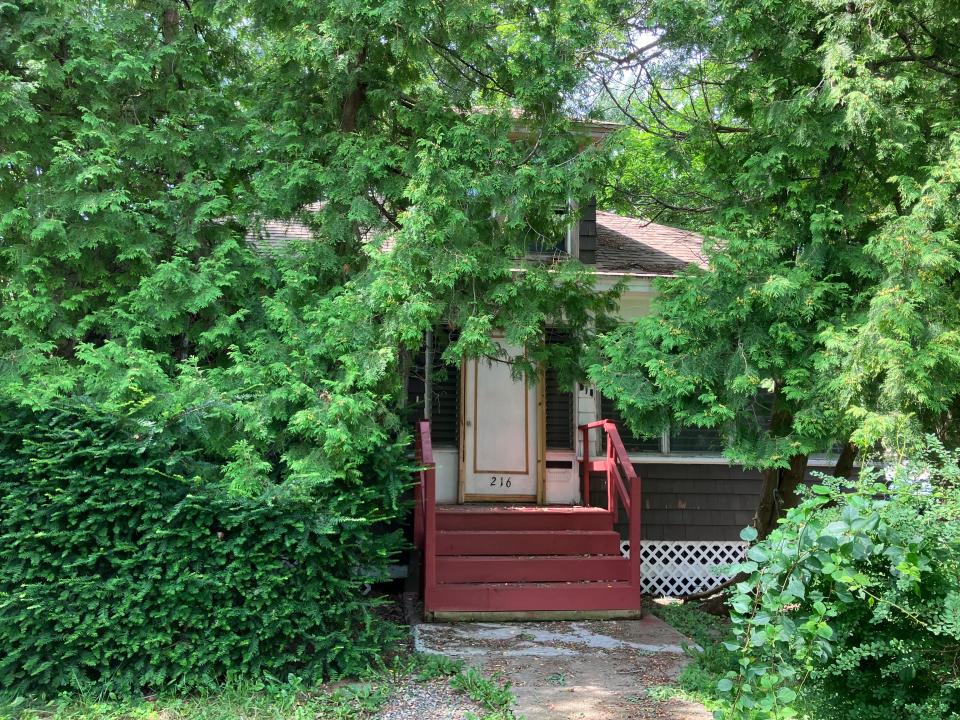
[527,542]
[530,568]
[525,561]
[528,559]
[528,597]
[486,517]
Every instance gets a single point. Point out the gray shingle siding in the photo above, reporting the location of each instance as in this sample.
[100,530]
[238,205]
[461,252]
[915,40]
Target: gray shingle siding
[690,502]
[697,502]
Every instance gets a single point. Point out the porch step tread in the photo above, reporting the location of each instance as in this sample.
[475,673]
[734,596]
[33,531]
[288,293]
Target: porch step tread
[537,533]
[528,542]
[536,596]
[531,568]
[533,509]
[525,519]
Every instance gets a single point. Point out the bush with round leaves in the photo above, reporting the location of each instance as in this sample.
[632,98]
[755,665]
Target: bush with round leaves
[851,610]
[119,571]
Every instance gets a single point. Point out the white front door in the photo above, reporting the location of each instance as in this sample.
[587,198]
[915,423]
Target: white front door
[499,433]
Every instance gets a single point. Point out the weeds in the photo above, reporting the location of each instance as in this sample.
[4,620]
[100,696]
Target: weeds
[489,692]
[558,679]
[279,700]
[709,661]
[432,667]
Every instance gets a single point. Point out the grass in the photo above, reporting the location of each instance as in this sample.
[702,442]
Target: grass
[698,680]
[280,701]
[557,679]
[240,702]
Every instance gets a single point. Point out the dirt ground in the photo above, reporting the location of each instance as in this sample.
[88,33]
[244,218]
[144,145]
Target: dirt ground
[590,670]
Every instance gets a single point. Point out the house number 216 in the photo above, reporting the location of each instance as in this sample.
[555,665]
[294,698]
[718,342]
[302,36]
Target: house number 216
[500,481]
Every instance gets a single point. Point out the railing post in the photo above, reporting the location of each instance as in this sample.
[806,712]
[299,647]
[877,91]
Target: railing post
[611,490]
[585,465]
[418,497]
[426,526]
[635,541]
[430,537]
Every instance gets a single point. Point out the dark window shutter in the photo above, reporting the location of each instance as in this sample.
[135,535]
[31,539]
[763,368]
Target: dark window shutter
[446,404]
[588,232]
[559,413]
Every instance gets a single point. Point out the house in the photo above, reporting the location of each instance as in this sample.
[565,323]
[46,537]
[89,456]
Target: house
[517,502]
[520,521]
[535,497]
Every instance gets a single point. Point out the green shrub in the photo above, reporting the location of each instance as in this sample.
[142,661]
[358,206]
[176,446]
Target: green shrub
[118,571]
[852,609]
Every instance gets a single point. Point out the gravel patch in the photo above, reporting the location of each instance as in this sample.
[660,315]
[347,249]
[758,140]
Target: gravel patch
[431,700]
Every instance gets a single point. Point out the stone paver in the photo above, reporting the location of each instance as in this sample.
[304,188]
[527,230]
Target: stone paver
[590,670]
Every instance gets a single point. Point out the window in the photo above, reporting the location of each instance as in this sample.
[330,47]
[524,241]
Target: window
[445,392]
[633,444]
[690,440]
[695,440]
[547,248]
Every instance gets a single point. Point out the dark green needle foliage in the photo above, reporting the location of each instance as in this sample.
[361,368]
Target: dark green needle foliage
[822,145]
[203,451]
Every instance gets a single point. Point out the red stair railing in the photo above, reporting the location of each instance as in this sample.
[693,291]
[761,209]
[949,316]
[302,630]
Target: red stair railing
[425,510]
[623,484]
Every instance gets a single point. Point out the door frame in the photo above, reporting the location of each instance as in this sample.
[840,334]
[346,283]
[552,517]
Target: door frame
[541,435]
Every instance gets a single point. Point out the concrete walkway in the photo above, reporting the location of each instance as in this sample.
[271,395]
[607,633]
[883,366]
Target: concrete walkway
[590,670]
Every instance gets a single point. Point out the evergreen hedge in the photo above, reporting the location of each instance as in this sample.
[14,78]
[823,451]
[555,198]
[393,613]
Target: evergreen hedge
[117,570]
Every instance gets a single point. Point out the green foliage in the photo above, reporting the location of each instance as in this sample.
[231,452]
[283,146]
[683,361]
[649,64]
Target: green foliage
[267,699]
[493,695]
[651,176]
[701,627]
[118,571]
[851,607]
[710,660]
[431,667]
[142,147]
[251,701]
[823,138]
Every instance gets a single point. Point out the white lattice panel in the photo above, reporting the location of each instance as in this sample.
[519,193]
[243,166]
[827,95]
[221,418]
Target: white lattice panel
[675,568]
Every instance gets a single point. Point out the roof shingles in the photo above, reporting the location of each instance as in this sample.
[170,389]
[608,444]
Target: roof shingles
[626,246]
[637,247]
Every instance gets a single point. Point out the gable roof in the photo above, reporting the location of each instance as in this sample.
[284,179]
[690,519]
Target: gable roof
[625,246]
[631,246]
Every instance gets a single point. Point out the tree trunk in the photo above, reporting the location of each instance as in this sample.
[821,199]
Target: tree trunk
[848,457]
[355,98]
[170,24]
[169,29]
[778,493]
